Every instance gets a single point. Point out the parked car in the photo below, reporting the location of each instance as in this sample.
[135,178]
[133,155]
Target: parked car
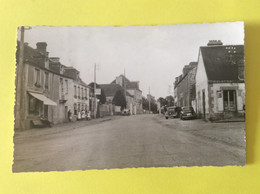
[126,112]
[187,112]
[172,112]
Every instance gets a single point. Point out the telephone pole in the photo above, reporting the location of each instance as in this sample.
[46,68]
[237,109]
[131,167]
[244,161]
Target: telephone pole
[149,100]
[19,79]
[95,99]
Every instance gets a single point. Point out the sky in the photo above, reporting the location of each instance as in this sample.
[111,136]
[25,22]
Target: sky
[152,55]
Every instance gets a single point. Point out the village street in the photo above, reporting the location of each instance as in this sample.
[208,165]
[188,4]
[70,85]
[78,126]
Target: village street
[129,141]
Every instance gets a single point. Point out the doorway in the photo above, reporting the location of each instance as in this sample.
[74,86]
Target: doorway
[203,104]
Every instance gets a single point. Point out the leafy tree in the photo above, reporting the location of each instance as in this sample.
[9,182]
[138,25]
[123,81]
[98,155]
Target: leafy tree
[162,101]
[169,100]
[119,99]
[153,105]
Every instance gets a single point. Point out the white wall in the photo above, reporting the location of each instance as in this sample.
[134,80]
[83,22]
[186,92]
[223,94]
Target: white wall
[201,83]
[218,102]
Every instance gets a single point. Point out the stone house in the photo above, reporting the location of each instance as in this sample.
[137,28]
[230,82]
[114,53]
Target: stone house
[79,97]
[41,91]
[220,85]
[132,87]
[110,91]
[184,86]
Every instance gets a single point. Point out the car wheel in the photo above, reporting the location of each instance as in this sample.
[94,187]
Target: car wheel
[166,117]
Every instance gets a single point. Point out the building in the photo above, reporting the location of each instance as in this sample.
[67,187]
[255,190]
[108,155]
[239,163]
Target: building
[132,87]
[79,96]
[220,85]
[110,90]
[184,86]
[41,93]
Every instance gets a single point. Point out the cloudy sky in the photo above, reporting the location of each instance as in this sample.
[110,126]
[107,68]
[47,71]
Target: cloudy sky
[152,55]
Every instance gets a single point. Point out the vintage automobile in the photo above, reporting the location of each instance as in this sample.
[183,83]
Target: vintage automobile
[125,112]
[187,112]
[172,112]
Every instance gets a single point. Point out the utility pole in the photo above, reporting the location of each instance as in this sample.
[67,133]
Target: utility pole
[19,78]
[149,100]
[124,84]
[95,99]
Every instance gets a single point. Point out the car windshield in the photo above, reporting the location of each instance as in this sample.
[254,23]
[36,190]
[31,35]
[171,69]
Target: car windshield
[187,108]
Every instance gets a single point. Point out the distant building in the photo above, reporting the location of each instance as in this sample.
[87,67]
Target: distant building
[184,86]
[132,87]
[220,85]
[110,91]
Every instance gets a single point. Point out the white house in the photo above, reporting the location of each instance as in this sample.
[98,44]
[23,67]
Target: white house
[220,86]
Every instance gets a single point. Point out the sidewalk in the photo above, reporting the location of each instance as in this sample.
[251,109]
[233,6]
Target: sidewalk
[61,127]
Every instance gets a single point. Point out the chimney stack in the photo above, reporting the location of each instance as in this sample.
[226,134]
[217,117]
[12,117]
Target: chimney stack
[214,43]
[55,59]
[42,47]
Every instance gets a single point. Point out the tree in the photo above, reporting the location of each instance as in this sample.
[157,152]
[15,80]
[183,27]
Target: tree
[162,101]
[169,100]
[119,99]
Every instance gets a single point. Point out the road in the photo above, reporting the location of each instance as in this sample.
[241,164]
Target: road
[130,141]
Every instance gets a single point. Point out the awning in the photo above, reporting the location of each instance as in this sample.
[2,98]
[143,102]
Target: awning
[43,98]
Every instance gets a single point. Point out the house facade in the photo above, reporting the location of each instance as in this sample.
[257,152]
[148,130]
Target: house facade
[184,86]
[220,86]
[132,87]
[41,92]
[110,90]
[79,97]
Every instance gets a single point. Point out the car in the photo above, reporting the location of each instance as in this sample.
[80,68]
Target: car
[126,112]
[187,112]
[172,112]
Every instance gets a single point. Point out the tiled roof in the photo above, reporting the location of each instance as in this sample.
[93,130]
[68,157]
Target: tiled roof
[223,63]
[129,84]
[111,89]
[31,55]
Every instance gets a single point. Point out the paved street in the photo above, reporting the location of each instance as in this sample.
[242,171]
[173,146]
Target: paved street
[130,141]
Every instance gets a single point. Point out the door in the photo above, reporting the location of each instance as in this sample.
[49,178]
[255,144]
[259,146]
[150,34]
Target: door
[45,111]
[203,104]
[66,114]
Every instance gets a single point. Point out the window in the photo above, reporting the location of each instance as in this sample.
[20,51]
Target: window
[79,107]
[34,105]
[82,95]
[75,91]
[229,98]
[67,86]
[46,85]
[61,85]
[37,78]
[86,94]
[75,108]
[78,92]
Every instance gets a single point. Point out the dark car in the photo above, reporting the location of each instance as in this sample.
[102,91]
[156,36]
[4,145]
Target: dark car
[187,112]
[172,112]
[126,112]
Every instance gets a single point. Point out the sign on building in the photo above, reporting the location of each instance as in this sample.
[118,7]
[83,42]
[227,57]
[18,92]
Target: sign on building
[98,91]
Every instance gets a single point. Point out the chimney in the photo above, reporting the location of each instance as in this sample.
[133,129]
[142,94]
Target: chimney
[55,59]
[214,43]
[41,47]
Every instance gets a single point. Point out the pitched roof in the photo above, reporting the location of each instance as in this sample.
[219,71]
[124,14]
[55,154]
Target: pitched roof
[129,84]
[31,55]
[224,63]
[111,89]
